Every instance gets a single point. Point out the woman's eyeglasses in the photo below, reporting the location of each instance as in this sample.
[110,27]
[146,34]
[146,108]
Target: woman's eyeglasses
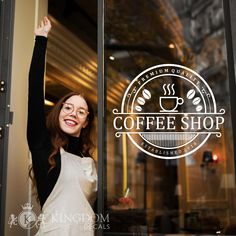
[69,108]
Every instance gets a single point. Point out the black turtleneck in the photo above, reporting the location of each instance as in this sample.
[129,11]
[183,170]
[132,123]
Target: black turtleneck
[37,134]
[73,146]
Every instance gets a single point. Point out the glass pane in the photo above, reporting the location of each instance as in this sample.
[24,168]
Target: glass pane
[170,153]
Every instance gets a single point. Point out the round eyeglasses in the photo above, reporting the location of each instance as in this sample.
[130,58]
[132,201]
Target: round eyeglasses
[69,108]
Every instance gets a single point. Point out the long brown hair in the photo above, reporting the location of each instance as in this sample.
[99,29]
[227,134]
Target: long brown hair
[60,139]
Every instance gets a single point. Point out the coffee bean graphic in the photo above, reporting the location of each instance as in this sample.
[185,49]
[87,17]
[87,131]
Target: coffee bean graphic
[196,100]
[146,94]
[191,94]
[199,108]
[138,108]
[141,100]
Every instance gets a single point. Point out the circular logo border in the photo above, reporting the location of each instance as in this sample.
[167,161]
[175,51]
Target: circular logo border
[130,90]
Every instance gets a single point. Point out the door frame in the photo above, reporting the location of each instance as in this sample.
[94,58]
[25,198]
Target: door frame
[6,45]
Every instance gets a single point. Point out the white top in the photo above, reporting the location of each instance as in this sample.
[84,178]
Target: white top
[67,211]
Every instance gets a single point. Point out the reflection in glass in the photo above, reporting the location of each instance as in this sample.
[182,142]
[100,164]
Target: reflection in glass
[194,194]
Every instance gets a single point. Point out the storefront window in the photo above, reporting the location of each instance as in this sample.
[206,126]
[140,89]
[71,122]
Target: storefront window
[192,191]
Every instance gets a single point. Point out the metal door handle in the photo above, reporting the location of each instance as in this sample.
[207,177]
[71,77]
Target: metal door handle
[2,86]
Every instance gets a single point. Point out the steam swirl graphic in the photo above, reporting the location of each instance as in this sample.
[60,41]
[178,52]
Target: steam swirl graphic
[168,89]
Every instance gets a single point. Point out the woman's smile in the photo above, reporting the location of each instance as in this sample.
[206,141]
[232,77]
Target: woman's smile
[70,122]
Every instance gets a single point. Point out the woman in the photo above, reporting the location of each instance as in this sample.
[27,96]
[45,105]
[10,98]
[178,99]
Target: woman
[65,176]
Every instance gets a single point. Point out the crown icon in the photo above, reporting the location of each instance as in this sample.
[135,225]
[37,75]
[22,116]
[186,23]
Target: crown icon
[27,206]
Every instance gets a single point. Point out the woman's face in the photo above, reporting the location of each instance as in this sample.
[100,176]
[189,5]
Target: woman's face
[73,115]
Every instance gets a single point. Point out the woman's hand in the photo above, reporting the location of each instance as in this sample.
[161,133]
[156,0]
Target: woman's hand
[44,27]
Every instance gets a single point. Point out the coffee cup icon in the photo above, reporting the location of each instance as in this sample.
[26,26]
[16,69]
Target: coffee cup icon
[170,103]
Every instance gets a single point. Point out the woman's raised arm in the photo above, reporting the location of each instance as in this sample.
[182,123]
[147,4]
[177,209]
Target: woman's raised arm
[36,126]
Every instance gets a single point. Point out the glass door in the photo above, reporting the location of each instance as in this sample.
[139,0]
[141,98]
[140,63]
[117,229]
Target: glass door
[170,158]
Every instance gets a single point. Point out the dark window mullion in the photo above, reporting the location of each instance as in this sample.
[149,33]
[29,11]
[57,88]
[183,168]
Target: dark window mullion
[101,114]
[230,67]
[6,38]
